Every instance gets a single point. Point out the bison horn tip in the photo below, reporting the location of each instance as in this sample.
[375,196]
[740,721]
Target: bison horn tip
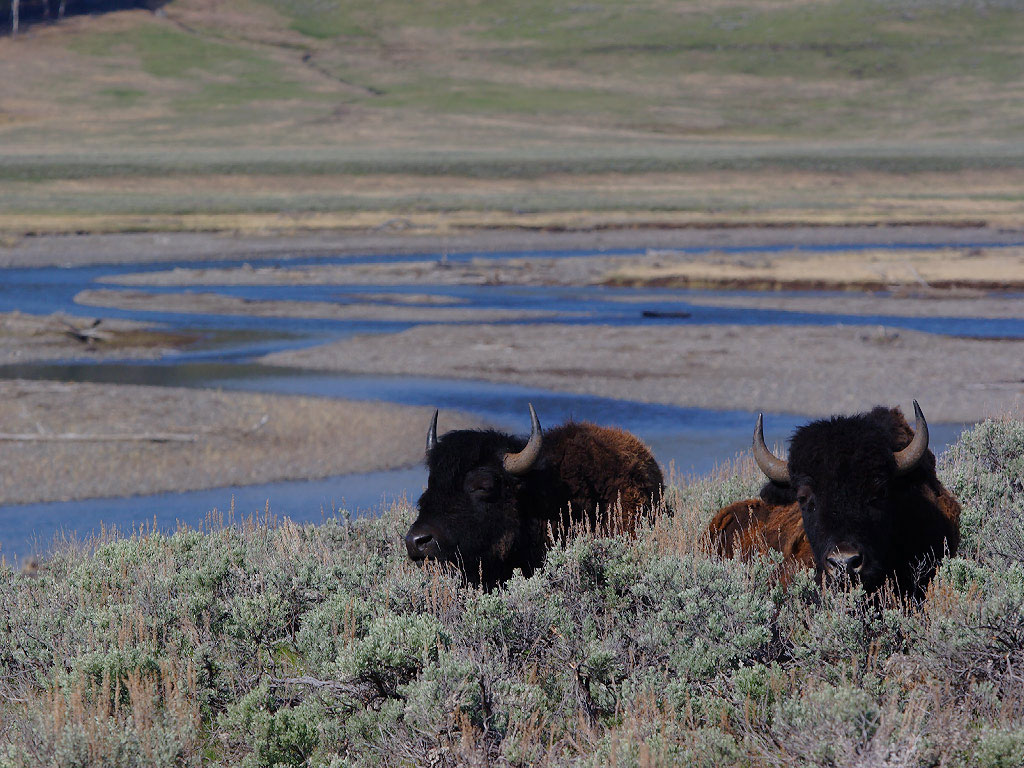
[432,433]
[535,422]
[909,457]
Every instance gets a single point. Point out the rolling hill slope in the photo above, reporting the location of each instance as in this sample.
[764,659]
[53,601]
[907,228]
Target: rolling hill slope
[313,111]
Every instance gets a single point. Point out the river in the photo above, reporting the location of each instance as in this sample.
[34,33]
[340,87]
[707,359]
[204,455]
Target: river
[690,440]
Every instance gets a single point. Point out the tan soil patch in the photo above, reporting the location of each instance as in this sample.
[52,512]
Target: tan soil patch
[240,439]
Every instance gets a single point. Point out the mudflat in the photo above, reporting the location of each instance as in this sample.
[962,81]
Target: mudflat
[812,370]
[220,304]
[74,441]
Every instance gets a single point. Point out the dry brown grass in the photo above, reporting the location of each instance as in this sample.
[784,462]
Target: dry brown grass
[940,269]
[440,223]
[551,202]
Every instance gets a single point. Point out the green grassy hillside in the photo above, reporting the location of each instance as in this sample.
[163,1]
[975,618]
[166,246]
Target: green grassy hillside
[287,645]
[244,89]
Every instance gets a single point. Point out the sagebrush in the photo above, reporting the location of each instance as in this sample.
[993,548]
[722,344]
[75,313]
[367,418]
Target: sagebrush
[274,644]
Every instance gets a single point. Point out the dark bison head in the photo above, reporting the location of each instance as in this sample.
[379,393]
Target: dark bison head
[469,514]
[866,496]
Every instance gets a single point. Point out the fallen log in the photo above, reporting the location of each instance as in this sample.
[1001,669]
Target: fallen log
[145,437]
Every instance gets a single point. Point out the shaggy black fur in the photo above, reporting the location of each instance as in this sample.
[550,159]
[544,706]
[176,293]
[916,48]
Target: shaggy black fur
[487,522]
[843,476]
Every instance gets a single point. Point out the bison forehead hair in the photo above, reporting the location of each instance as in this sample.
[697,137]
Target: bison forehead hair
[851,455]
[458,453]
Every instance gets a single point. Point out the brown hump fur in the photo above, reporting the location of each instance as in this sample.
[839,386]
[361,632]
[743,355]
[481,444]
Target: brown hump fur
[753,527]
[608,466]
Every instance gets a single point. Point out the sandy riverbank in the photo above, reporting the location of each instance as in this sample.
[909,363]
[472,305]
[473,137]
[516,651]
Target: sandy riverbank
[925,270]
[795,369]
[131,248]
[29,338]
[141,440]
[220,304]
[925,304]
[957,272]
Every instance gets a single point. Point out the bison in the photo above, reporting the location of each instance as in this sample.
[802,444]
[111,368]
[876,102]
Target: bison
[858,499]
[492,498]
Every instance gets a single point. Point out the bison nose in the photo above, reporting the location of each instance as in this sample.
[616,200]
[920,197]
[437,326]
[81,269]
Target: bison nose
[845,561]
[416,543]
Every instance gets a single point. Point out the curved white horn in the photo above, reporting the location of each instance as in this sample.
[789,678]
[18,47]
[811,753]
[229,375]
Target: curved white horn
[909,457]
[520,463]
[773,467]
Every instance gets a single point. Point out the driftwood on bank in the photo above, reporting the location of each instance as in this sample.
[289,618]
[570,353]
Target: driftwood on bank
[88,335]
[362,690]
[144,437]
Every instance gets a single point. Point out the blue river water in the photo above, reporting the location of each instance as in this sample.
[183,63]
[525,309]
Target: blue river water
[686,439]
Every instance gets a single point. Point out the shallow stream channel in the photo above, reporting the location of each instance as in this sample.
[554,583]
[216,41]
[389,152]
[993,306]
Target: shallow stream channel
[685,440]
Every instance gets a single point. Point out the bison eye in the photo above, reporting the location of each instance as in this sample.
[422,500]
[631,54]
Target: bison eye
[805,497]
[484,494]
[481,485]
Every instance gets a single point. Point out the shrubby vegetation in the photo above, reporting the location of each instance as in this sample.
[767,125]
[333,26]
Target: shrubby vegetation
[46,10]
[284,645]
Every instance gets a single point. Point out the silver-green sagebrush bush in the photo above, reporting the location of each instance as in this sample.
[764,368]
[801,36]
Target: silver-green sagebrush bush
[275,644]
[985,470]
